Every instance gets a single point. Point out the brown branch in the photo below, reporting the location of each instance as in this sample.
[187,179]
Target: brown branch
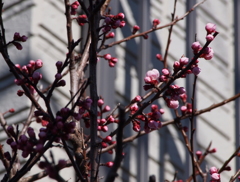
[193,129]
[232,179]
[227,161]
[169,35]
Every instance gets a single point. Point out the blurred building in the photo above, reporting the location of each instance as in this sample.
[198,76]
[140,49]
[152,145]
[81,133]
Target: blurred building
[163,152]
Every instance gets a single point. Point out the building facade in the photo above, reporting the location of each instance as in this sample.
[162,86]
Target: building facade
[163,152]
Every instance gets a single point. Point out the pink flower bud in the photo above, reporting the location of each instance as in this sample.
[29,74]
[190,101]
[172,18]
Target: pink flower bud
[104,128]
[210,28]
[108,139]
[16,36]
[183,61]
[106,109]
[120,15]
[100,102]
[165,72]
[198,154]
[215,177]
[114,60]
[107,20]
[151,76]
[159,57]
[110,35]
[161,111]
[109,164]
[107,56]
[24,38]
[135,29]
[196,46]
[134,107]
[173,104]
[122,24]
[156,22]
[209,37]
[38,64]
[58,76]
[153,124]
[196,70]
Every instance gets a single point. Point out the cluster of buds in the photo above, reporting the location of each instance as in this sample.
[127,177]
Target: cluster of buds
[151,120]
[107,141]
[28,144]
[111,60]
[172,95]
[215,176]
[18,38]
[187,109]
[102,122]
[208,51]
[51,169]
[74,7]
[29,74]
[182,63]
[113,22]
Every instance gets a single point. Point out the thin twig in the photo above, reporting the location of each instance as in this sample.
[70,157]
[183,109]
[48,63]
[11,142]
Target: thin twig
[169,35]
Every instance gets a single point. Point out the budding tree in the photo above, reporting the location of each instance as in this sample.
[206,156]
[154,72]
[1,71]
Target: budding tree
[86,112]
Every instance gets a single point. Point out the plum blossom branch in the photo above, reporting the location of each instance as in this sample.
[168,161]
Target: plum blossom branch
[153,29]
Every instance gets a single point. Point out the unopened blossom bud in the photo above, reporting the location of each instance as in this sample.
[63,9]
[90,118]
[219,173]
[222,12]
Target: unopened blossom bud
[173,104]
[120,15]
[110,35]
[122,24]
[198,154]
[184,109]
[10,130]
[196,46]
[114,60]
[210,54]
[100,102]
[14,146]
[16,36]
[17,45]
[109,164]
[209,37]
[61,83]
[104,128]
[24,38]
[154,108]
[161,111]
[39,148]
[153,124]
[212,150]
[165,72]
[107,20]
[196,70]
[102,121]
[135,29]
[82,19]
[104,144]
[183,61]
[108,139]
[42,135]
[159,57]
[215,176]
[210,28]
[106,109]
[134,107]
[136,127]
[111,119]
[107,56]
[156,22]
[138,98]
[36,76]
[38,63]
[7,156]
[58,76]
